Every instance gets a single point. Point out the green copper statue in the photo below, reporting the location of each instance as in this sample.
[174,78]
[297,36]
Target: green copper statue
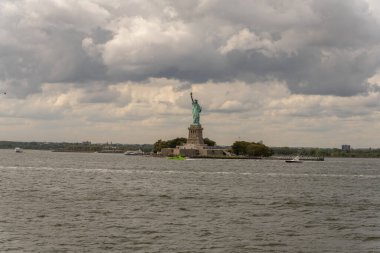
[196,110]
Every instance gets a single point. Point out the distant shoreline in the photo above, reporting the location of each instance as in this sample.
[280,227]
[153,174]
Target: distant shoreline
[88,147]
[275,157]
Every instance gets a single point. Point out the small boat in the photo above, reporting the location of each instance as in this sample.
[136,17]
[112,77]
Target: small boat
[18,150]
[294,160]
[134,152]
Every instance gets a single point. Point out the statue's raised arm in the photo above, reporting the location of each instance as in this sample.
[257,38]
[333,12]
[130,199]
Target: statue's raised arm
[191,95]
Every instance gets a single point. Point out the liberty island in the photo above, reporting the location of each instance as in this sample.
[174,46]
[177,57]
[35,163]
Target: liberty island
[195,146]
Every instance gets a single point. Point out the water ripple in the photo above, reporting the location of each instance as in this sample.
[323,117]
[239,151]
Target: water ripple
[112,203]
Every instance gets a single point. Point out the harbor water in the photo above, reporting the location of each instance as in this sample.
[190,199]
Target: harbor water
[74,202]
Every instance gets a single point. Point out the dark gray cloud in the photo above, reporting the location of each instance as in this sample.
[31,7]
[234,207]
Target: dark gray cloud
[43,44]
[315,46]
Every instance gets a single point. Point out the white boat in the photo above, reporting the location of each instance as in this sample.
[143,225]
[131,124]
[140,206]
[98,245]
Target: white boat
[134,152]
[18,150]
[294,160]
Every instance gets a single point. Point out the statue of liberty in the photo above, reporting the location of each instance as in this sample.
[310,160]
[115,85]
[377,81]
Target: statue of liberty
[196,110]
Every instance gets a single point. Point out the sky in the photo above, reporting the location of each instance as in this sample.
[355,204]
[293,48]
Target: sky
[288,73]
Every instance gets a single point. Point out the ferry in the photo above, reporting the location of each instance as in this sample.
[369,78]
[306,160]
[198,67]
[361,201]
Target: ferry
[18,150]
[294,160]
[134,152]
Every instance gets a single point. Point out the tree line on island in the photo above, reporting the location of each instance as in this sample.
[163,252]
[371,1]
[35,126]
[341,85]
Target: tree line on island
[245,148]
[326,152]
[160,144]
[240,148]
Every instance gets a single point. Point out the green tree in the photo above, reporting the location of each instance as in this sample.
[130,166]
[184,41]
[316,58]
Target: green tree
[209,142]
[251,149]
[176,142]
[240,147]
[158,145]
[258,149]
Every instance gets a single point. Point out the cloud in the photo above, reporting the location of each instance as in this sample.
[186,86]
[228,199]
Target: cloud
[42,43]
[135,62]
[141,113]
[144,47]
[315,47]
[245,40]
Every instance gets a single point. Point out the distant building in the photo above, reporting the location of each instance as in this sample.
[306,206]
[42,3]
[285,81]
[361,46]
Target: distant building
[346,147]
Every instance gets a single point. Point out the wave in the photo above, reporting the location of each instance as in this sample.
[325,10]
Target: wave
[121,170]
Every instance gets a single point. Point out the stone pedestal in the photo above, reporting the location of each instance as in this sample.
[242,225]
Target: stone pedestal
[195,135]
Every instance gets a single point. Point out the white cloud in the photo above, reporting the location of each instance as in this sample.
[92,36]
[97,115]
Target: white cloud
[146,44]
[245,40]
[144,113]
